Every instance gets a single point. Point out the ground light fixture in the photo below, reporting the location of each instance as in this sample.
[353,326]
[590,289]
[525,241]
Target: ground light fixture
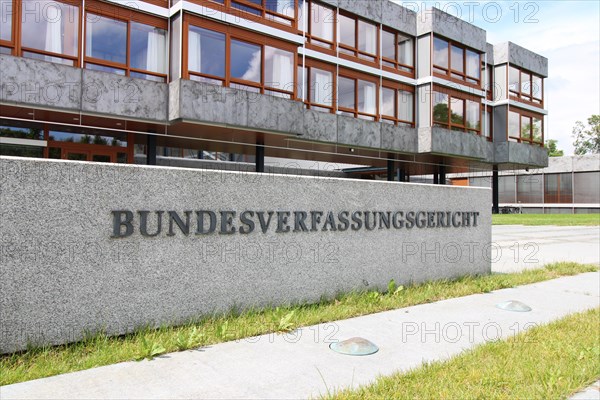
[513,305]
[355,346]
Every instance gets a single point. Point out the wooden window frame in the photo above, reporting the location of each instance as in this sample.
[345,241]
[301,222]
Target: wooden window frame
[309,65]
[490,122]
[233,33]
[356,76]
[312,41]
[116,13]
[526,114]
[397,87]
[398,66]
[530,99]
[455,94]
[373,59]
[448,72]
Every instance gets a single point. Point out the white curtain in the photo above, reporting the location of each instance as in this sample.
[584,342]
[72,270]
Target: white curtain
[195,52]
[368,38]
[368,96]
[405,106]
[405,52]
[321,93]
[54,41]
[156,52]
[283,72]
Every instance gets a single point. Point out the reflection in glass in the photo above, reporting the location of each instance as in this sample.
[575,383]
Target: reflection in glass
[321,87]
[246,62]
[55,30]
[405,106]
[458,111]
[536,87]
[346,93]
[525,83]
[513,79]
[405,50]
[473,115]
[21,133]
[537,130]
[388,106]
[440,53]
[440,107]
[206,53]
[347,31]
[525,127]
[388,45]
[6,15]
[514,124]
[367,92]
[279,69]
[473,64]
[457,59]
[104,68]
[106,39]
[148,48]
[283,7]
[367,37]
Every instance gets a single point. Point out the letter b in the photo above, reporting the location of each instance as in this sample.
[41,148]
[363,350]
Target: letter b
[118,222]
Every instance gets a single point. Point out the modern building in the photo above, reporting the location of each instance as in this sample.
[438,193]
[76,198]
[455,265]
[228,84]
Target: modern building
[367,83]
[569,185]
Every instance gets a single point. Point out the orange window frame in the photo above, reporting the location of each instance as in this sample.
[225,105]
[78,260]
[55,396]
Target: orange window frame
[455,94]
[530,99]
[398,66]
[530,116]
[127,16]
[371,58]
[448,72]
[233,33]
[309,65]
[313,40]
[356,76]
[397,87]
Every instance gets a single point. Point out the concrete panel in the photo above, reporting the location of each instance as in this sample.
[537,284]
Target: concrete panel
[521,154]
[358,132]
[423,103]
[320,126]
[114,95]
[500,122]
[451,27]
[203,102]
[500,83]
[489,51]
[25,81]
[521,57]
[63,273]
[453,143]
[399,18]
[174,100]
[275,114]
[424,56]
[370,9]
[399,138]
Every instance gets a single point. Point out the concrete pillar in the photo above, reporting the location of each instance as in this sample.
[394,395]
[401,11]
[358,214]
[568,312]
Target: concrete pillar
[401,175]
[442,175]
[495,194]
[151,150]
[436,178]
[390,170]
[260,158]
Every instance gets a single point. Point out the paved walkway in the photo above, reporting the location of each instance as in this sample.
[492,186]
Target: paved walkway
[302,365]
[518,247]
[591,393]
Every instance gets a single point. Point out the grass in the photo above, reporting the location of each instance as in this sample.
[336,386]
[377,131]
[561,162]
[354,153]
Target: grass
[101,350]
[547,219]
[547,362]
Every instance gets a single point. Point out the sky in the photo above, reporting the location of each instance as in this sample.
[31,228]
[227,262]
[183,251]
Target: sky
[566,32]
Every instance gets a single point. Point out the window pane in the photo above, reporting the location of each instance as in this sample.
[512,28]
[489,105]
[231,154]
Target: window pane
[246,8]
[284,7]
[405,50]
[507,189]
[529,189]
[50,26]
[346,93]
[6,15]
[513,79]
[537,130]
[525,83]
[405,106]
[388,107]
[206,51]
[321,24]
[367,102]
[246,61]
[473,64]
[457,59]
[347,31]
[536,87]
[565,189]
[388,45]
[43,57]
[367,37]
[321,87]
[473,115]
[488,124]
[148,48]
[279,69]
[525,127]
[440,107]
[105,68]
[106,39]
[21,133]
[302,83]
[458,111]
[440,53]
[514,124]
[587,187]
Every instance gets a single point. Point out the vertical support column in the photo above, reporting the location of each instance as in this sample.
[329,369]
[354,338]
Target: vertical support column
[260,157]
[401,175]
[436,178]
[495,194]
[390,170]
[151,150]
[442,175]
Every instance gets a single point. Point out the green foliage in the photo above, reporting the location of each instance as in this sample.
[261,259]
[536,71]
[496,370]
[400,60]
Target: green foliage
[285,323]
[546,219]
[552,147]
[587,138]
[150,349]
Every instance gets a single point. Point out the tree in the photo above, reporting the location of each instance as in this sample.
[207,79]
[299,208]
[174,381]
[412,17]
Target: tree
[587,138]
[552,147]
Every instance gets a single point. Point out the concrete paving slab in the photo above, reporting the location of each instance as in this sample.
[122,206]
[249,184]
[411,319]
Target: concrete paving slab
[590,393]
[300,364]
[518,247]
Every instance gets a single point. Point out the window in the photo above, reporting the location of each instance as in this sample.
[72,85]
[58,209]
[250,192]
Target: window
[397,51]
[49,31]
[586,187]
[526,86]
[357,38]
[558,188]
[222,58]
[318,22]
[456,61]
[107,41]
[455,113]
[396,106]
[525,127]
[530,189]
[280,11]
[487,132]
[318,88]
[6,21]
[357,98]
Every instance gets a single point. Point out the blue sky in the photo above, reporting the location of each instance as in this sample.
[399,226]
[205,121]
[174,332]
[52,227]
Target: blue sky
[566,32]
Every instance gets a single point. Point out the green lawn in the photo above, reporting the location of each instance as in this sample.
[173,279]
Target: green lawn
[547,362]
[103,350]
[547,219]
